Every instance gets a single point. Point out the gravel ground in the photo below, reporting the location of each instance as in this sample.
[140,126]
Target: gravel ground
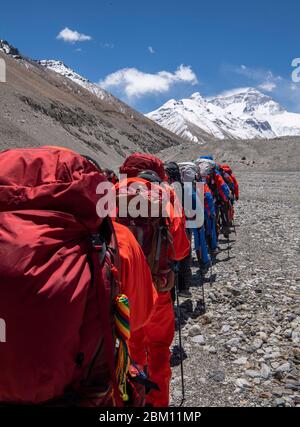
[245,350]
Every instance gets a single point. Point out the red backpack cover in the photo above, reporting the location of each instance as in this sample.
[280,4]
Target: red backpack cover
[152,233]
[58,278]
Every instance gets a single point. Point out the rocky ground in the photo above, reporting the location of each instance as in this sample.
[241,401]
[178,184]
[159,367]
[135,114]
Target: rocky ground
[280,154]
[245,350]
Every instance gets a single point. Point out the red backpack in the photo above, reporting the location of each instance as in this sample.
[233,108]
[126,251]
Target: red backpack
[58,280]
[152,233]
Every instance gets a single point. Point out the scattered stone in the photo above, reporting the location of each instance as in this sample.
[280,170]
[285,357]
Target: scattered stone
[195,331]
[288,333]
[225,329]
[199,339]
[296,400]
[279,376]
[285,367]
[296,352]
[252,374]
[280,403]
[234,342]
[212,350]
[177,394]
[270,356]
[265,371]
[206,319]
[292,386]
[263,336]
[277,393]
[243,383]
[217,376]
[265,395]
[241,361]
[257,343]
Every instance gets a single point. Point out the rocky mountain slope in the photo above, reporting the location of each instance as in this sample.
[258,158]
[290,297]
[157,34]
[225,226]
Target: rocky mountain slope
[41,107]
[279,154]
[239,114]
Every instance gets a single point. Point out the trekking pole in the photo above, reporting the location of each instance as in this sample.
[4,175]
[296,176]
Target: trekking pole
[234,227]
[226,221]
[179,335]
[211,274]
[228,247]
[203,293]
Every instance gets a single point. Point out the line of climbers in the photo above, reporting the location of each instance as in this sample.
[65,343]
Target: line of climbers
[87,300]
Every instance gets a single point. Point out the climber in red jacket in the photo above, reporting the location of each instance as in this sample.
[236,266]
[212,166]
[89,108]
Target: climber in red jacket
[228,170]
[150,346]
[136,279]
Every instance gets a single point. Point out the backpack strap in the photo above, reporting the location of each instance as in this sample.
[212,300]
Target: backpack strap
[99,254]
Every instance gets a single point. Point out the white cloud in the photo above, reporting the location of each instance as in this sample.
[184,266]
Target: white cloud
[134,83]
[151,50]
[71,36]
[268,86]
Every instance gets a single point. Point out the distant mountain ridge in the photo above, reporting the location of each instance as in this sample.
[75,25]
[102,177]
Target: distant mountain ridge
[47,103]
[244,113]
[60,68]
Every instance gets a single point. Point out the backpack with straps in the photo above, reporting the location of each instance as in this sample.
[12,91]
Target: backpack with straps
[206,166]
[152,232]
[58,282]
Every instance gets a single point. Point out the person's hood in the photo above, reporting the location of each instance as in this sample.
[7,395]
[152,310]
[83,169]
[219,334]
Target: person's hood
[138,162]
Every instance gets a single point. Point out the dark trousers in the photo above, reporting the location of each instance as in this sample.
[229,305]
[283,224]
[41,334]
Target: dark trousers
[184,268]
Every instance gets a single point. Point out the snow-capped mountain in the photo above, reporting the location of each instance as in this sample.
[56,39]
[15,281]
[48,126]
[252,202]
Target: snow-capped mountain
[8,49]
[60,68]
[43,106]
[241,114]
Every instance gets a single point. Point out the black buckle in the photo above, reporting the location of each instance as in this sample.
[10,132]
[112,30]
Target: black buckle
[97,243]
[99,246]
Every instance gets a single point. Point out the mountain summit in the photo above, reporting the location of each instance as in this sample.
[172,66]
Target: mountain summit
[244,113]
[60,68]
[8,49]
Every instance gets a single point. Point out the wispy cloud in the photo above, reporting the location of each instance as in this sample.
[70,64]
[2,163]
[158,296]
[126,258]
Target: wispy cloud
[134,83]
[151,50]
[264,79]
[107,45]
[282,88]
[268,86]
[71,36]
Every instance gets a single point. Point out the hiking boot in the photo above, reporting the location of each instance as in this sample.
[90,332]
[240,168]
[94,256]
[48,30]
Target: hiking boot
[204,267]
[216,252]
[226,233]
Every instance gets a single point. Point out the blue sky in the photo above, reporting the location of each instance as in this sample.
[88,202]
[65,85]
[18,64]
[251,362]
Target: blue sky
[219,45]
